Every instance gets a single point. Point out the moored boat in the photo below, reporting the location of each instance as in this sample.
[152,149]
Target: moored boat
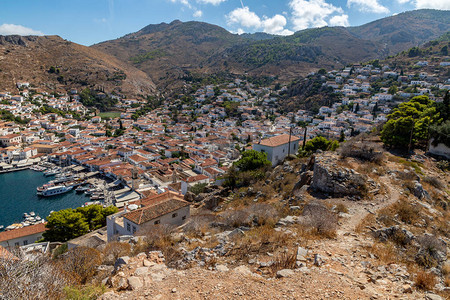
[54,190]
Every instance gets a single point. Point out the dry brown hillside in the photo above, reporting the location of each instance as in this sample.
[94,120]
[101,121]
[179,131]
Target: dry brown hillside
[29,58]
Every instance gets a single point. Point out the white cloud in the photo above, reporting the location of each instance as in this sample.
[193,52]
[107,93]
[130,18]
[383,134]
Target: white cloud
[312,13]
[10,29]
[275,25]
[436,4]
[213,2]
[244,17]
[341,20]
[198,14]
[184,2]
[370,6]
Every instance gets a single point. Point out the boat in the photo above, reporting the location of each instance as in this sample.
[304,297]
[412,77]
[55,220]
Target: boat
[97,197]
[39,191]
[54,190]
[52,172]
[81,189]
[88,192]
[2,227]
[32,214]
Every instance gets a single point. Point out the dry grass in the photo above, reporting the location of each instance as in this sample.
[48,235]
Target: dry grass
[284,260]
[386,253]
[81,263]
[114,250]
[434,181]
[425,280]
[160,237]
[447,281]
[259,240]
[341,208]
[319,220]
[210,243]
[407,212]
[446,270]
[199,225]
[402,210]
[362,150]
[368,221]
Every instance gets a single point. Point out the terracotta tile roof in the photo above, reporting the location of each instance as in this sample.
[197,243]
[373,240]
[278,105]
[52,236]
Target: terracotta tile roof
[21,232]
[197,178]
[160,208]
[278,140]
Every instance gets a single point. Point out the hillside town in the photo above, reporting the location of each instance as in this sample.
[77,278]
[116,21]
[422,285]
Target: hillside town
[194,138]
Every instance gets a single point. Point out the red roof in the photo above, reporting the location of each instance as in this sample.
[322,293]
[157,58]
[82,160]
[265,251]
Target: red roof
[21,232]
[278,140]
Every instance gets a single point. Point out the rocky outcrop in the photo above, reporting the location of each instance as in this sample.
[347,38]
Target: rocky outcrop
[16,40]
[333,179]
[394,233]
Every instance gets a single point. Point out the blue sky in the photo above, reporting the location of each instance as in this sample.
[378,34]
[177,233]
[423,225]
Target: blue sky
[91,21]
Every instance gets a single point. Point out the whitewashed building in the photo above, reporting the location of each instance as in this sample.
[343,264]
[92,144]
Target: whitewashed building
[22,236]
[278,147]
[167,208]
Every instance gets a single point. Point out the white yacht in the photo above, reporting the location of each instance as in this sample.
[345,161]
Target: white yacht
[53,190]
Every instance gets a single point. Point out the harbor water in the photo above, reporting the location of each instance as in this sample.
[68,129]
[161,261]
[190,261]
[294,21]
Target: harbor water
[18,196]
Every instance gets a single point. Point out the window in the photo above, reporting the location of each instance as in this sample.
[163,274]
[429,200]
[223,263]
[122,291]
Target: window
[128,227]
[174,215]
[157,222]
[134,229]
[283,150]
[25,242]
[17,244]
[183,218]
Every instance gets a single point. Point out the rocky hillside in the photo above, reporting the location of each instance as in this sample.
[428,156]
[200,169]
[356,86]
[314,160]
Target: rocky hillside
[347,225]
[434,52]
[405,30]
[167,52]
[56,63]
[358,223]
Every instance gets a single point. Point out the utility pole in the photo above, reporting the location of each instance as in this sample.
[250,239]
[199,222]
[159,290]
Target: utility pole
[304,138]
[289,145]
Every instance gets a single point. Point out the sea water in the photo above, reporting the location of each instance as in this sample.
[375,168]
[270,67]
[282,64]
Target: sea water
[18,196]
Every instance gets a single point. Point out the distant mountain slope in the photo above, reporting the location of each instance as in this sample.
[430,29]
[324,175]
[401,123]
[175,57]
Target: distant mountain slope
[306,50]
[31,58]
[434,53]
[166,52]
[163,51]
[405,30]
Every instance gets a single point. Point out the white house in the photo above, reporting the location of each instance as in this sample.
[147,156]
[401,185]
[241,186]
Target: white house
[278,147]
[166,208]
[22,236]
[189,182]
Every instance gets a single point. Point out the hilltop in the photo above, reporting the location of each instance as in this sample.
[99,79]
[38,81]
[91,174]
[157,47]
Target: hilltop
[59,64]
[168,52]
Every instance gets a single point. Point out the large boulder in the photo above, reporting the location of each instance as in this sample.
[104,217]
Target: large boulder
[333,179]
[394,233]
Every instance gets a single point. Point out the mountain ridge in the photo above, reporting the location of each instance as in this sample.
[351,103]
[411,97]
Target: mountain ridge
[167,52]
[30,58]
